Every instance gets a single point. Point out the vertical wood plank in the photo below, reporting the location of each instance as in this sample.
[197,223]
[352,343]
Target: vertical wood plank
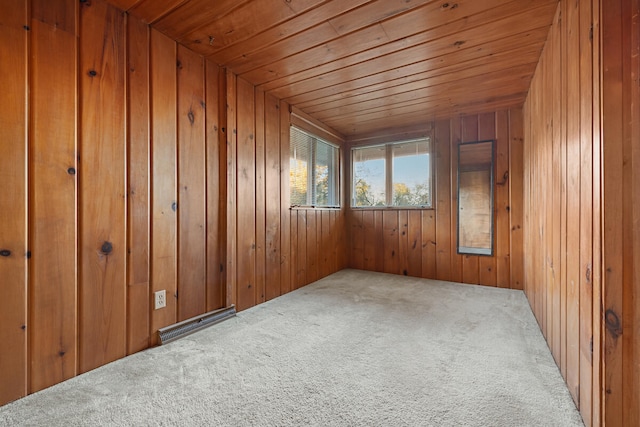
[391,241]
[285,200]
[14,198]
[163,178]
[586,214]
[312,250]
[379,241]
[563,187]
[327,236]
[573,200]
[403,244]
[369,244]
[632,288]
[334,262]
[443,176]
[215,181]
[612,211]
[260,197]
[502,203]
[429,266]
[192,239]
[516,189]
[246,196]
[456,138]
[301,250]
[231,188]
[272,185]
[102,211]
[52,200]
[597,303]
[555,204]
[138,195]
[547,185]
[487,265]
[294,249]
[357,239]
[414,243]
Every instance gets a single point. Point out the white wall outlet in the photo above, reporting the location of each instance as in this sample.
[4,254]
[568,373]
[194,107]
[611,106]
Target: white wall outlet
[161,299]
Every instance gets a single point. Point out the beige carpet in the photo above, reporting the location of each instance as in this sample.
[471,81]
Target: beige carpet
[353,349]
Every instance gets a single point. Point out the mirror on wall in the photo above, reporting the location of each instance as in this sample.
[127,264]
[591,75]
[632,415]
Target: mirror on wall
[475,198]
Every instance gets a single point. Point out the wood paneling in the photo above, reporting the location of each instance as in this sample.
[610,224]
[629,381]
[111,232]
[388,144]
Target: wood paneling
[581,279]
[422,243]
[149,193]
[192,239]
[278,249]
[620,132]
[14,198]
[273,286]
[356,62]
[246,196]
[164,207]
[216,180]
[52,195]
[138,195]
[102,213]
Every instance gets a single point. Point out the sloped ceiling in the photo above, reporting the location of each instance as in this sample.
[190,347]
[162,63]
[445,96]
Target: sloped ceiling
[361,66]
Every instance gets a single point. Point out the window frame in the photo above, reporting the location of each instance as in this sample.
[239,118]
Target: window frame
[388,167]
[311,177]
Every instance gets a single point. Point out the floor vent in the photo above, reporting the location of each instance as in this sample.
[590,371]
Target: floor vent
[189,326]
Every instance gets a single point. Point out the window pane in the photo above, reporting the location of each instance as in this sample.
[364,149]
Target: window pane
[369,176]
[314,168]
[325,178]
[300,152]
[411,174]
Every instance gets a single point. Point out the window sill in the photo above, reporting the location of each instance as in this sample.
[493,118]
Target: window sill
[314,208]
[395,208]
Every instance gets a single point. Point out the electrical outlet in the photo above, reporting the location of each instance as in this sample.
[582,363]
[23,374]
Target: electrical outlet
[161,299]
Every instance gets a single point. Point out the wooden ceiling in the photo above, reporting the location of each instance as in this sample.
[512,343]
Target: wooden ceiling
[361,66]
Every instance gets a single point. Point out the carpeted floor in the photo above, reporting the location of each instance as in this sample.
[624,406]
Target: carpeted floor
[353,349]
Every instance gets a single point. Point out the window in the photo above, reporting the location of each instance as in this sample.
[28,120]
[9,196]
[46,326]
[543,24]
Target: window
[395,174]
[314,171]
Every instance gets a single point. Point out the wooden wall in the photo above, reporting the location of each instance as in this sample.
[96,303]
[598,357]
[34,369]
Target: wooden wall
[115,186]
[620,33]
[422,242]
[562,200]
[272,248]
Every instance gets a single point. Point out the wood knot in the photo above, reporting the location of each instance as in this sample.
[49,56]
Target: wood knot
[174,206]
[5,252]
[71,171]
[192,117]
[106,248]
[459,43]
[612,322]
[26,27]
[92,73]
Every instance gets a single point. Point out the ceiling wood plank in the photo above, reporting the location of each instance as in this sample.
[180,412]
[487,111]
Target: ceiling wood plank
[428,44]
[503,61]
[483,85]
[152,10]
[195,14]
[246,22]
[364,65]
